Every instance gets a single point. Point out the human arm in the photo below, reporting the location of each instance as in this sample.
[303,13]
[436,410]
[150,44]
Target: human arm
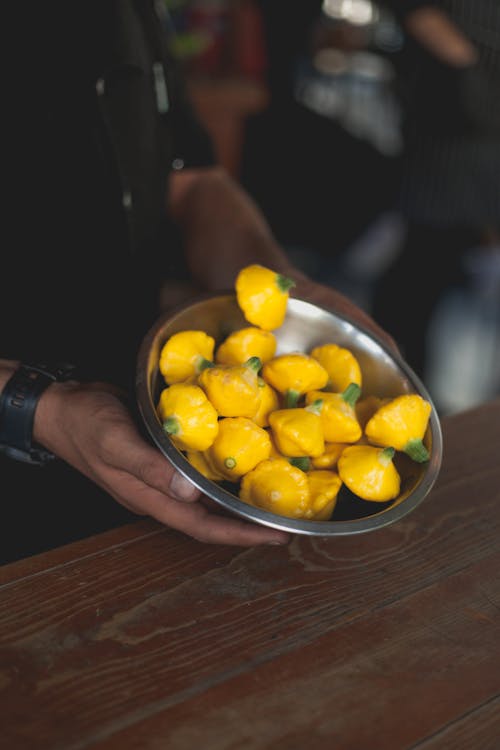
[224,230]
[452,70]
[433,28]
[89,427]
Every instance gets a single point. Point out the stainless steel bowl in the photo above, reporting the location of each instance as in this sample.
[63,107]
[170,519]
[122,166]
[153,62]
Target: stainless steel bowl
[305,326]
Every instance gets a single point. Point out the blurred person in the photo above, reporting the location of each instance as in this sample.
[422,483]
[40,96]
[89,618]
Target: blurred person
[113,201]
[449,182]
[316,174]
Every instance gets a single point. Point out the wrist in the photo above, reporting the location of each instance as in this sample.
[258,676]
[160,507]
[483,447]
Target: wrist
[49,411]
[19,401]
[7,369]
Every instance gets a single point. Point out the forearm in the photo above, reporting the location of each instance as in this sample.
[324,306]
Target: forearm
[435,31]
[224,231]
[223,228]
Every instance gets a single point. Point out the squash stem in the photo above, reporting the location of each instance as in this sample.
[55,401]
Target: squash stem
[284,283]
[386,456]
[301,462]
[351,394]
[253,363]
[203,364]
[291,398]
[417,451]
[316,406]
[171,426]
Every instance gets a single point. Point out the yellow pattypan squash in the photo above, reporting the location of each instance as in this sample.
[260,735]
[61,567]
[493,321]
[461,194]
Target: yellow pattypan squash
[188,417]
[239,446]
[369,472]
[401,423]
[185,354]
[324,487]
[341,365]
[233,389]
[200,460]
[277,486]
[330,456]
[298,431]
[294,374]
[240,345]
[338,415]
[262,295]
[269,402]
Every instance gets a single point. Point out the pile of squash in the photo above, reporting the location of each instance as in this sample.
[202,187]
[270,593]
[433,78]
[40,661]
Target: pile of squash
[287,430]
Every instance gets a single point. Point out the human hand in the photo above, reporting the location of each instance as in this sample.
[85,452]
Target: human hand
[225,231]
[329,298]
[89,427]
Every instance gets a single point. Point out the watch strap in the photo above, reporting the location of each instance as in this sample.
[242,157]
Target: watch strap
[18,402]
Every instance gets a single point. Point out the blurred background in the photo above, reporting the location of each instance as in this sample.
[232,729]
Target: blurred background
[369,135]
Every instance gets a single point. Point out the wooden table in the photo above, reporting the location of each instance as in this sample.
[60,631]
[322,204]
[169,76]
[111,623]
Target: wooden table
[142,638]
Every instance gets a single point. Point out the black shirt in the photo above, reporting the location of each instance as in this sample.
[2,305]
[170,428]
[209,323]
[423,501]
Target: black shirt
[96,114]
[451,121]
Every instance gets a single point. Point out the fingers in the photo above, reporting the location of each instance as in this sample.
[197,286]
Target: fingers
[330,298]
[182,489]
[138,476]
[201,524]
[184,514]
[150,467]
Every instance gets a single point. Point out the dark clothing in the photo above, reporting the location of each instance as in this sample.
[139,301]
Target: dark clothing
[288,31]
[319,183]
[409,292]
[451,164]
[95,117]
[103,116]
[449,189]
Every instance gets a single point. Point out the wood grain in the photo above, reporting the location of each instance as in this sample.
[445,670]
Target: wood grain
[143,638]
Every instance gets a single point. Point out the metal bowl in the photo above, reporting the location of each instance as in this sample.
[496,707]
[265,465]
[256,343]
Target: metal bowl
[306,326]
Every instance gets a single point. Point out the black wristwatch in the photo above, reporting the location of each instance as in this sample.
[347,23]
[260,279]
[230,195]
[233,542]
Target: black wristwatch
[18,402]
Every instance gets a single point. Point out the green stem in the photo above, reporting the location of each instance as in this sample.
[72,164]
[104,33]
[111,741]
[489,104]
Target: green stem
[351,394]
[203,364]
[254,363]
[284,283]
[386,456]
[301,462]
[417,450]
[229,462]
[316,406]
[291,398]
[171,426]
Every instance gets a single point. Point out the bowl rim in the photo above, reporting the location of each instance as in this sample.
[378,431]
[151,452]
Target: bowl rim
[226,499]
